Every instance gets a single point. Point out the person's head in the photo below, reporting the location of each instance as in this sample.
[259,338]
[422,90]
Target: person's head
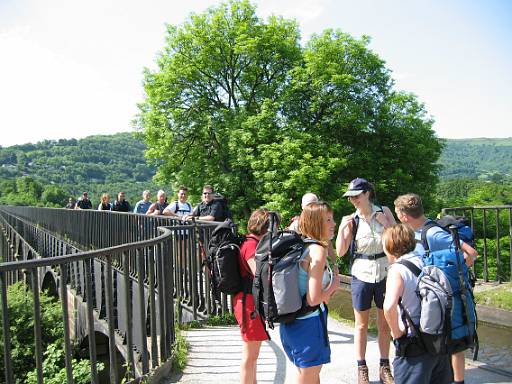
[182,193]
[308,198]
[207,195]
[71,200]
[258,222]
[360,191]
[408,205]
[160,196]
[316,221]
[105,198]
[120,196]
[85,195]
[397,241]
[146,195]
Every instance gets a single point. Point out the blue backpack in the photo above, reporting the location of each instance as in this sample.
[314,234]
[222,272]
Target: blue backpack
[463,312]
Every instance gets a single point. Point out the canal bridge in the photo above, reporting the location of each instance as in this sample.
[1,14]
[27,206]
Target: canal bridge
[125,280]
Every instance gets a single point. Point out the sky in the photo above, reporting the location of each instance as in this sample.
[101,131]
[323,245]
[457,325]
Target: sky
[70,69]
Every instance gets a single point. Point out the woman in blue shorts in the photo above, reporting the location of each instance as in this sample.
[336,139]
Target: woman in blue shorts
[361,232]
[305,339]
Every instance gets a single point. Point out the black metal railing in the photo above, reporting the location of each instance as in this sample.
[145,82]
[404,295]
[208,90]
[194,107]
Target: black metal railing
[126,271]
[492,226]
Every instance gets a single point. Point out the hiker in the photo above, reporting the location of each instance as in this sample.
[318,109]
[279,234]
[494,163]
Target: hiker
[105,203]
[210,209]
[252,328]
[360,234]
[306,199]
[180,207]
[409,210]
[412,363]
[84,202]
[121,204]
[143,205]
[305,339]
[158,207]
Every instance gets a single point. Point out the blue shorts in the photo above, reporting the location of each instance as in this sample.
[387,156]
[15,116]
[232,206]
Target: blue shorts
[305,341]
[363,293]
[423,369]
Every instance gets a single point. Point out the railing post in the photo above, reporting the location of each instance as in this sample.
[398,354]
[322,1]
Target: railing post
[498,250]
[9,379]
[65,319]
[90,321]
[37,325]
[109,297]
[486,267]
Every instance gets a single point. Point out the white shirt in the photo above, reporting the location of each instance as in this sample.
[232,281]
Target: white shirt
[369,242]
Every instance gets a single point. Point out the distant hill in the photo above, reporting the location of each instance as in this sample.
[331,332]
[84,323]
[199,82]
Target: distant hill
[487,159]
[116,161]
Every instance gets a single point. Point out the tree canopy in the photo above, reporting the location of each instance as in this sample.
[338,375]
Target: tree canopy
[237,102]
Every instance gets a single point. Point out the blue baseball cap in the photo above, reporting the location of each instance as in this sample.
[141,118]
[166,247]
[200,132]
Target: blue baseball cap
[357,186]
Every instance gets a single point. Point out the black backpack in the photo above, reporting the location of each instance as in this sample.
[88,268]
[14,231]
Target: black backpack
[223,260]
[223,202]
[276,284]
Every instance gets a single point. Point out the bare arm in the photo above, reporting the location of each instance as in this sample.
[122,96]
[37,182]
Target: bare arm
[316,294]
[344,235]
[470,253]
[386,218]
[394,290]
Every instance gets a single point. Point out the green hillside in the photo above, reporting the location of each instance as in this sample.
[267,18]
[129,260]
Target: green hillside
[102,163]
[486,159]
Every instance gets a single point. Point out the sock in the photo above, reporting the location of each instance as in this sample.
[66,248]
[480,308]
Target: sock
[361,362]
[384,362]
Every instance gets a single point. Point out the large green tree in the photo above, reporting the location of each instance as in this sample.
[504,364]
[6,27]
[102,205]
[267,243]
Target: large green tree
[237,102]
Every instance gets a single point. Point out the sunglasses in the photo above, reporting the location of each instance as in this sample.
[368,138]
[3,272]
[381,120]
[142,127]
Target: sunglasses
[207,193]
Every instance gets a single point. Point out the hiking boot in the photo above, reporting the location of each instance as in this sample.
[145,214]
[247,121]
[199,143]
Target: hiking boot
[385,375]
[362,375]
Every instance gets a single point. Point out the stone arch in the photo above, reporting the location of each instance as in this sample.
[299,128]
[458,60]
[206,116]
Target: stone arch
[103,356]
[49,284]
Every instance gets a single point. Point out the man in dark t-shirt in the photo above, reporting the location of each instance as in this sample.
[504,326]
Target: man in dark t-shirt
[209,209]
[121,205]
[84,202]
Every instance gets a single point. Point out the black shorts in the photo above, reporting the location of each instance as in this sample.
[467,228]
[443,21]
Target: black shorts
[363,293]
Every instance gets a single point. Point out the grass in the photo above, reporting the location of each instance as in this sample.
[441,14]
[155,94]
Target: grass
[498,297]
[180,352]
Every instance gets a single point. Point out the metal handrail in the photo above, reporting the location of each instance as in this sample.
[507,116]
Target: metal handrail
[126,288]
[488,223]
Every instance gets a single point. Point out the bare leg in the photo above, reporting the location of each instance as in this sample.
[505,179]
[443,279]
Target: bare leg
[384,334]
[361,332]
[310,375]
[249,361]
[458,361]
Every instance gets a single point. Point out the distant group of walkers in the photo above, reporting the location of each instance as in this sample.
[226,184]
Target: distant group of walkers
[213,207]
[379,251]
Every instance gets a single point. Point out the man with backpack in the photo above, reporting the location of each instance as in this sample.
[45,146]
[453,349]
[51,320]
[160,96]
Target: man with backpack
[210,208]
[180,207]
[413,364]
[431,237]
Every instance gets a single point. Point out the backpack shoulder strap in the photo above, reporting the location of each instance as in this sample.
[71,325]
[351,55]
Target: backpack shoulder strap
[411,266]
[176,206]
[430,224]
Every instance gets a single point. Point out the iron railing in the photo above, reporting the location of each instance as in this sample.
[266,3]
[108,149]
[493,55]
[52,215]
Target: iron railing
[124,272]
[492,226]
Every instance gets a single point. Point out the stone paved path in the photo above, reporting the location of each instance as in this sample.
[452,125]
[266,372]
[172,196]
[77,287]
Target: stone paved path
[215,353]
